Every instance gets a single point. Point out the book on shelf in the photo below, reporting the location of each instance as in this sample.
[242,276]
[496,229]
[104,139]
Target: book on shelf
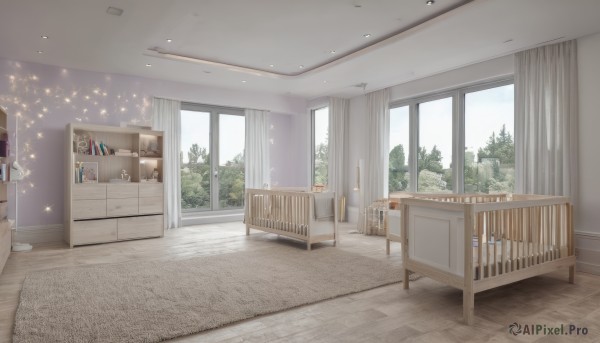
[86,172]
[95,148]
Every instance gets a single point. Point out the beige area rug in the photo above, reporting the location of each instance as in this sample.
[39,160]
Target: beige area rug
[155,301]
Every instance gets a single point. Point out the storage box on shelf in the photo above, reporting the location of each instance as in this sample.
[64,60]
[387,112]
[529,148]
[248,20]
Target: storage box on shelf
[126,202]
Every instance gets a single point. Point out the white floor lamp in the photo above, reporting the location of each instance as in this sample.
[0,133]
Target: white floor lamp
[16,175]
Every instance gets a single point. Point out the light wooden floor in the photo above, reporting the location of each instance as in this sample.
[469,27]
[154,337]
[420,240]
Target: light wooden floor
[428,312]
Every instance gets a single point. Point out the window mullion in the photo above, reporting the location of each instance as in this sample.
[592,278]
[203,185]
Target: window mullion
[413,145]
[458,162]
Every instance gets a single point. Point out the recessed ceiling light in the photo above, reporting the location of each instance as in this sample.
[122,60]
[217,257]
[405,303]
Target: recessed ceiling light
[332,52]
[114,11]
[148,65]
[244,81]
[430,2]
[301,66]
[367,35]
[40,52]
[44,37]
[169,40]
[271,65]
[324,81]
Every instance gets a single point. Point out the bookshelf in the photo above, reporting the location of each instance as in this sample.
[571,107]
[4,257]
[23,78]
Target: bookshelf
[5,234]
[115,189]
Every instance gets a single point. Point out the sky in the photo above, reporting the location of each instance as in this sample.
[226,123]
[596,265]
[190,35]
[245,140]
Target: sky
[321,125]
[485,112]
[195,128]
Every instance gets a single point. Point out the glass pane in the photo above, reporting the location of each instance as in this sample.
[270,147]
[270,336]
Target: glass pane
[434,156]
[399,150]
[232,133]
[489,145]
[195,160]
[321,130]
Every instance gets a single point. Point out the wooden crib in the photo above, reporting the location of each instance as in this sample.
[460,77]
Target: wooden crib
[479,242]
[306,216]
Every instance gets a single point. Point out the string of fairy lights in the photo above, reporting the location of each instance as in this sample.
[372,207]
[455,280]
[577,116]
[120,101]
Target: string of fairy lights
[32,105]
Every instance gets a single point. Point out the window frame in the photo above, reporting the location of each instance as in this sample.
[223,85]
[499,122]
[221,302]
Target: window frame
[458,128]
[214,152]
[312,139]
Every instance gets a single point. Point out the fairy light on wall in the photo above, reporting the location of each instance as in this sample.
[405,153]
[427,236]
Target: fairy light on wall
[35,104]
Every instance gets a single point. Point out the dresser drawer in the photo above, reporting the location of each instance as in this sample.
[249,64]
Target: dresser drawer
[139,227]
[151,190]
[121,207]
[94,231]
[84,209]
[151,205]
[122,190]
[89,191]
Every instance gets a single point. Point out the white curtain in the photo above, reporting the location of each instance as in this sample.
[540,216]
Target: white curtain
[258,167]
[546,111]
[167,118]
[376,173]
[337,173]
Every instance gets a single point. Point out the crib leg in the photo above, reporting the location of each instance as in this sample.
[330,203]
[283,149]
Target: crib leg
[572,274]
[387,246]
[468,306]
[308,246]
[405,281]
[247,230]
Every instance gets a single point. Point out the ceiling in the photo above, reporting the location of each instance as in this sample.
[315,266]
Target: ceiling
[259,45]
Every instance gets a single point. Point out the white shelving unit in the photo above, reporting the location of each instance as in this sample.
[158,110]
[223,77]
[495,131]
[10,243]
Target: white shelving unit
[109,210]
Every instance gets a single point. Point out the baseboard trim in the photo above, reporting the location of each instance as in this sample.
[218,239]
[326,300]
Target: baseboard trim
[587,249]
[39,234]
[588,268]
[222,218]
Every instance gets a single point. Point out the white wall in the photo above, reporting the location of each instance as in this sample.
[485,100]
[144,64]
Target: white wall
[46,98]
[587,208]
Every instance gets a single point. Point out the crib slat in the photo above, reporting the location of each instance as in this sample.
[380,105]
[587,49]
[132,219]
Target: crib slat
[557,233]
[520,237]
[488,261]
[503,227]
[480,245]
[526,241]
[494,237]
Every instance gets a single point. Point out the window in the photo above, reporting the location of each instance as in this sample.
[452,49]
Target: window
[489,145]
[434,156]
[320,146]
[461,140]
[399,175]
[212,158]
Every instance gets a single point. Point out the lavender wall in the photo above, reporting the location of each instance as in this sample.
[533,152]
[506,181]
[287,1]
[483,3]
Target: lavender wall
[43,99]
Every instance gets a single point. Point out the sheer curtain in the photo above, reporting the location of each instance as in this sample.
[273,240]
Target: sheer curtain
[338,147]
[376,173]
[258,167]
[546,111]
[167,118]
